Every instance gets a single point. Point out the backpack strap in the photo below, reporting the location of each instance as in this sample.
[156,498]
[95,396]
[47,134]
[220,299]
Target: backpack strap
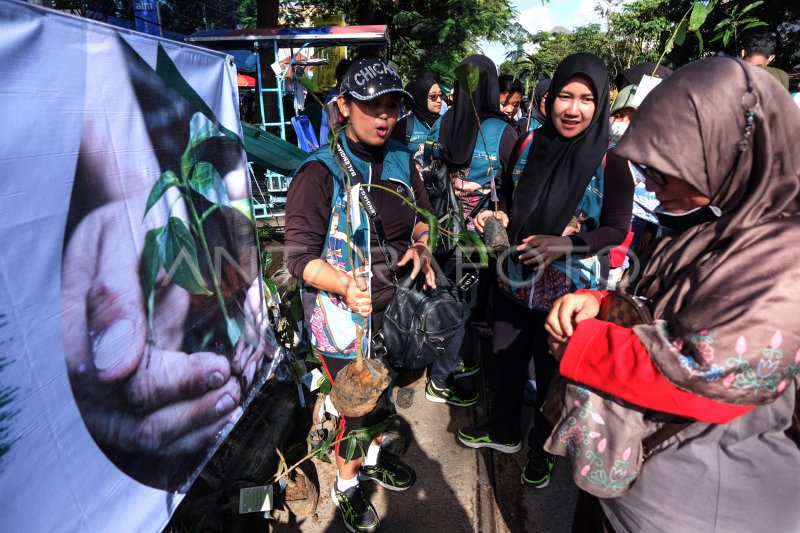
[369,207]
[409,127]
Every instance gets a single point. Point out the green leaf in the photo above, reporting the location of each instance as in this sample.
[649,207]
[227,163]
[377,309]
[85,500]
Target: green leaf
[754,25]
[310,85]
[699,40]
[200,130]
[670,44]
[351,448]
[699,14]
[721,24]
[468,75]
[680,34]
[313,357]
[266,260]
[234,331]
[178,254]
[727,36]
[296,309]
[325,387]
[750,7]
[445,31]
[206,181]
[245,207]
[480,246]
[148,271]
[717,36]
[271,287]
[168,179]
[433,228]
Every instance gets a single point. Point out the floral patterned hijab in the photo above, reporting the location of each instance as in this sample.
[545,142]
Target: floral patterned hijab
[727,289]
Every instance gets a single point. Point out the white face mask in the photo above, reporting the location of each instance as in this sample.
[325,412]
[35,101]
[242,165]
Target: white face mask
[617,130]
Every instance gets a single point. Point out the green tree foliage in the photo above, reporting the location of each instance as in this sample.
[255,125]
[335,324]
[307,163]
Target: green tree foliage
[634,32]
[550,48]
[781,17]
[672,31]
[423,35]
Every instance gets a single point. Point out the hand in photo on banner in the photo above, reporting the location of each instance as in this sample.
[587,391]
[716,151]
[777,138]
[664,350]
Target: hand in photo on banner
[137,397]
[165,327]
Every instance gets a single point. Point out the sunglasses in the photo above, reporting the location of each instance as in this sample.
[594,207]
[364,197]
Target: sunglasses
[434,96]
[651,175]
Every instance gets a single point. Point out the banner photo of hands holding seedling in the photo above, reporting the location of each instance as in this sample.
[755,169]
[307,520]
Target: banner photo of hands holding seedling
[133,330]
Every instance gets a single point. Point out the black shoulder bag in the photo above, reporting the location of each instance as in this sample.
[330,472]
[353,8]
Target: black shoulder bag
[446,205]
[418,323]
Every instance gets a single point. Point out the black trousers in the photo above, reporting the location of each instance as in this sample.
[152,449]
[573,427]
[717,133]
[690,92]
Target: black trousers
[383,408]
[519,334]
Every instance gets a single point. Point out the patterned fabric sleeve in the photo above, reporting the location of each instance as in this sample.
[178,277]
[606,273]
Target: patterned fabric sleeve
[613,360]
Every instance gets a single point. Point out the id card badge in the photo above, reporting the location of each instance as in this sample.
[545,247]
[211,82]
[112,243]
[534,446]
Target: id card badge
[355,211]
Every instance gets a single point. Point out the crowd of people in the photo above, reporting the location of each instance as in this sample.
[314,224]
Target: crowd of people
[682,191]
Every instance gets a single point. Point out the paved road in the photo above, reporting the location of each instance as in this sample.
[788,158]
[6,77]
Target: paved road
[454,490]
[444,496]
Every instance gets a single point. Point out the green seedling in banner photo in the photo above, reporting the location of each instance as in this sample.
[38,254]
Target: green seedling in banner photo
[172,246]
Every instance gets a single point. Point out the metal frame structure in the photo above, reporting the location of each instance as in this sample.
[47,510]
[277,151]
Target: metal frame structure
[282,38]
[294,39]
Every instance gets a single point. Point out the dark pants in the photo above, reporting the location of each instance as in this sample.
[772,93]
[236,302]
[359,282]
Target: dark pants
[589,516]
[383,407]
[519,334]
[443,366]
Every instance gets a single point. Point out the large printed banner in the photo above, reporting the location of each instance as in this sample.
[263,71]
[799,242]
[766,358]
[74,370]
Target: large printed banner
[132,325]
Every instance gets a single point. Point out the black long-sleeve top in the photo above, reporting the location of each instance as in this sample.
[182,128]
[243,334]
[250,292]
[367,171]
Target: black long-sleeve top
[308,212]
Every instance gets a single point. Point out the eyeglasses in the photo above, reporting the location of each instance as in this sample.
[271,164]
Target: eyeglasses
[651,175]
[435,96]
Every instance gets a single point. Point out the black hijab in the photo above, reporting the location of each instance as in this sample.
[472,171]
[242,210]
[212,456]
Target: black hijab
[541,88]
[419,89]
[459,130]
[558,169]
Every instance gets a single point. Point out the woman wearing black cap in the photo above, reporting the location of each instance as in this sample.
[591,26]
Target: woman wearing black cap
[565,209]
[334,250]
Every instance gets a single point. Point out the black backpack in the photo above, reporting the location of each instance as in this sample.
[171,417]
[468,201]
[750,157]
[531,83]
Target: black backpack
[419,323]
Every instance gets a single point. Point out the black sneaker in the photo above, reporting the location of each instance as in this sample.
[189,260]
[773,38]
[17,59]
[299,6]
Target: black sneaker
[392,475]
[358,513]
[538,469]
[435,393]
[478,437]
[464,370]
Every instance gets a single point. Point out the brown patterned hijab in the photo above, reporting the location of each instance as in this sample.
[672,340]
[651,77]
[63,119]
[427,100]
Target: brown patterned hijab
[727,292]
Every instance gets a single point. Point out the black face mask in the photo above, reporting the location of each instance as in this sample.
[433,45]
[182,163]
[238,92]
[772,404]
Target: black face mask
[690,219]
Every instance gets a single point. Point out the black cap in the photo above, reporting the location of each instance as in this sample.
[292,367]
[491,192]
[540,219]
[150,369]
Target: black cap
[369,78]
